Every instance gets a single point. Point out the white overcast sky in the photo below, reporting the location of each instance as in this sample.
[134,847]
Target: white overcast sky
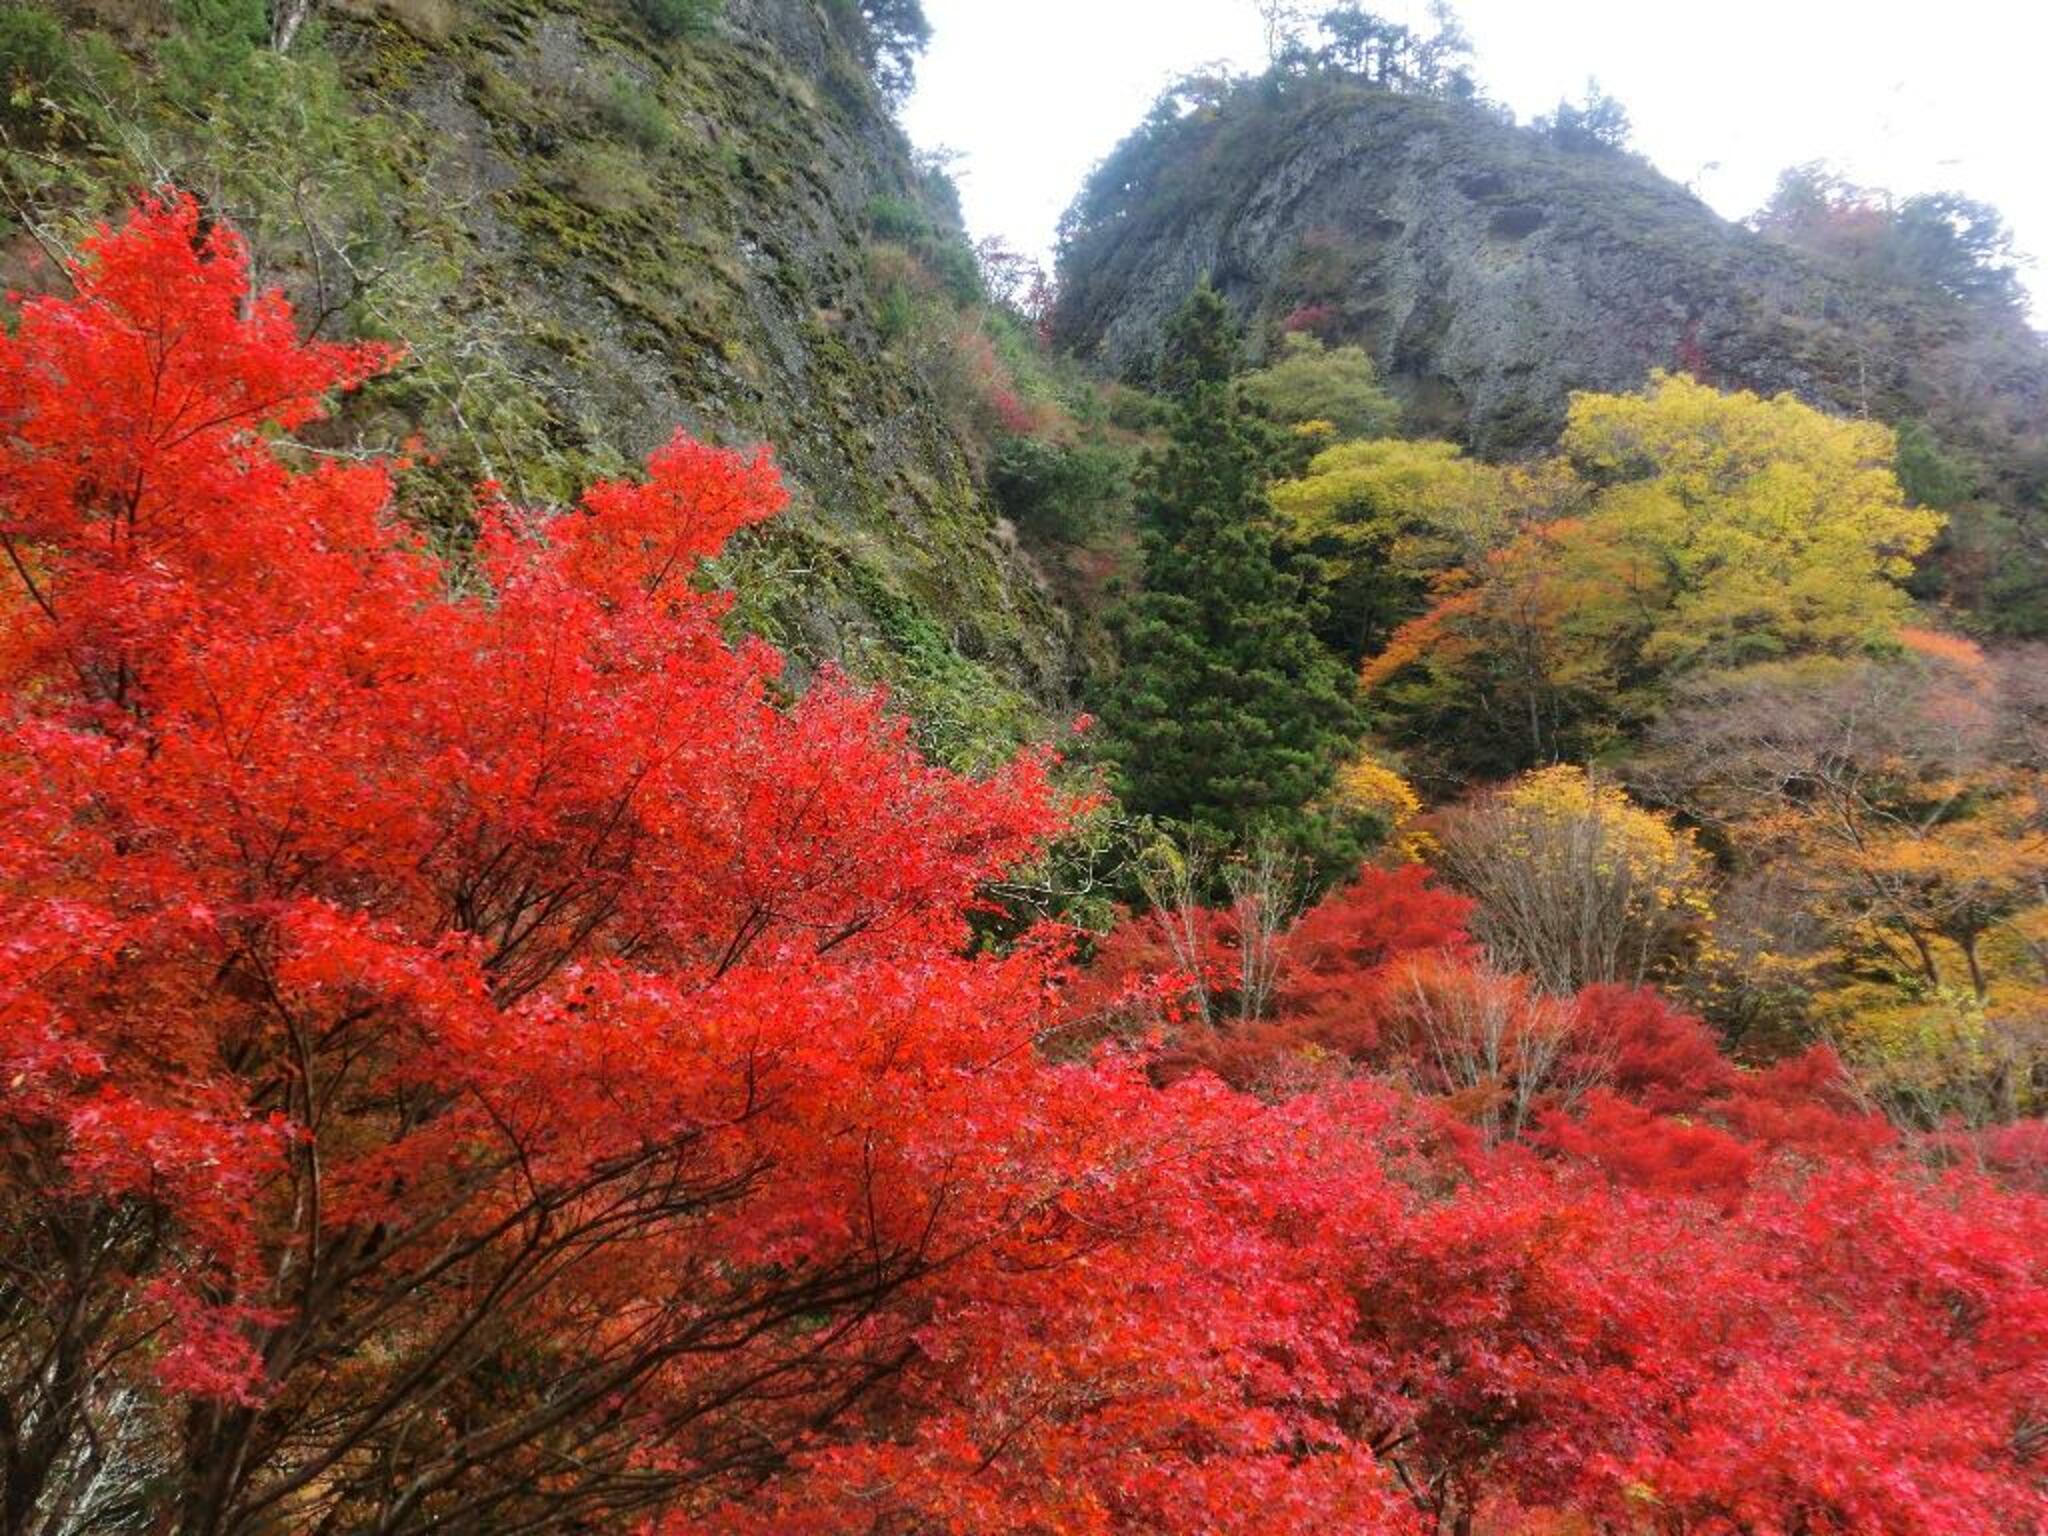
[1910,96]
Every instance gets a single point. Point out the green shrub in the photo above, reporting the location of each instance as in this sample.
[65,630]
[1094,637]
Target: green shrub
[431,21]
[898,218]
[1059,492]
[636,114]
[944,253]
[54,80]
[1311,382]
[32,52]
[951,260]
[1133,410]
[966,716]
[602,180]
[900,288]
[677,18]
[1928,474]
[217,53]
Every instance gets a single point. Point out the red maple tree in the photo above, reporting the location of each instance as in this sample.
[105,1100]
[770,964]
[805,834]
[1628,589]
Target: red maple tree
[472,1052]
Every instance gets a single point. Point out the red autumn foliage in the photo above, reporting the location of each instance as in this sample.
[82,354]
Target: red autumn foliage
[402,984]
[1804,1104]
[1316,990]
[1662,1153]
[1677,1117]
[1664,1060]
[477,1057]
[1824,1355]
[1316,319]
[1690,353]
[1157,968]
[2015,1153]
[1341,951]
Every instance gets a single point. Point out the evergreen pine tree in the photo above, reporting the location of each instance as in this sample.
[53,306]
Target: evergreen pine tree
[1227,715]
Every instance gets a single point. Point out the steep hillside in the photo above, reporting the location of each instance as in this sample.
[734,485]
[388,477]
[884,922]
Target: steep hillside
[589,221]
[1491,272]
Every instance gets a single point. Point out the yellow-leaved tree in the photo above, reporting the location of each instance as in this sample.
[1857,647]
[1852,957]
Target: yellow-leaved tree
[1381,521]
[1368,788]
[1781,530]
[1576,883]
[1719,531]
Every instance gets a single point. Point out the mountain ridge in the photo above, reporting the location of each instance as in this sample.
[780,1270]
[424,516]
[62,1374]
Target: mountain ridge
[1491,273]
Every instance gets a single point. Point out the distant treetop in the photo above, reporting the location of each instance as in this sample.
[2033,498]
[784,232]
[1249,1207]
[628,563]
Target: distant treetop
[894,34]
[1597,124]
[1942,241]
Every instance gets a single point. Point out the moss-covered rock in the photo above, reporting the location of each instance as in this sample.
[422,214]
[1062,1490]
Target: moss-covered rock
[587,229]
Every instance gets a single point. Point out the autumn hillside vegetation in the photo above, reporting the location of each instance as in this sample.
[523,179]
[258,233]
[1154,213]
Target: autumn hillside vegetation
[482,1049]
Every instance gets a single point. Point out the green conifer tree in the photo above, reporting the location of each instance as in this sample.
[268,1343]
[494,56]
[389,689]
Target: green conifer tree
[1227,715]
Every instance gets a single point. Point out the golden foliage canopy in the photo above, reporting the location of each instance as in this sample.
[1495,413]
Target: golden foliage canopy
[1718,531]
[1781,530]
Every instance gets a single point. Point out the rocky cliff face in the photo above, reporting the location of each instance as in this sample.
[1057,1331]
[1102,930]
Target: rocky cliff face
[1491,274]
[1488,275]
[589,223]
